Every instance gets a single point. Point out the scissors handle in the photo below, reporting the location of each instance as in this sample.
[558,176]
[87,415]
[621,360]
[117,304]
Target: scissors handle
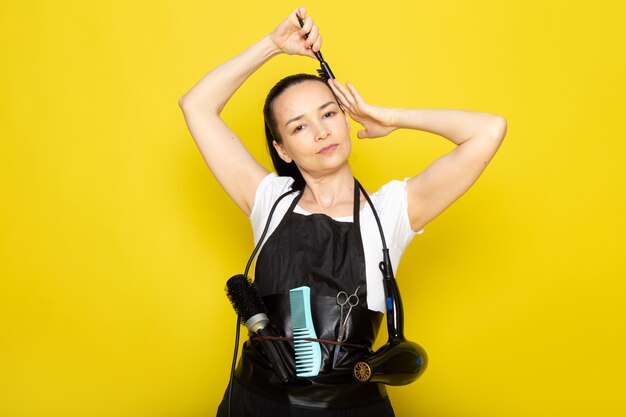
[352,300]
[342,298]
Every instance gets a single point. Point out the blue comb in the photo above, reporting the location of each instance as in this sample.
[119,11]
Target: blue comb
[308,353]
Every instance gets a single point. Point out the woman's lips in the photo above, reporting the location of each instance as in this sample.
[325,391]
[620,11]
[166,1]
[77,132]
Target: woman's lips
[328,149]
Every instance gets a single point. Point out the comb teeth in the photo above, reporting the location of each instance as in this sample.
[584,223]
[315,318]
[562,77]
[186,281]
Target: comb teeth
[308,354]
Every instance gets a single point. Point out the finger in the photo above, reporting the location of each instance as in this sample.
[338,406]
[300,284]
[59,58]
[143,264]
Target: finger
[355,93]
[338,88]
[308,52]
[346,94]
[333,86]
[313,35]
[301,13]
[317,45]
[362,134]
[306,28]
[342,99]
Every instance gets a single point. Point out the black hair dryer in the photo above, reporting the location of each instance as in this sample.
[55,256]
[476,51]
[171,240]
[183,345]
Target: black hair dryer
[399,361]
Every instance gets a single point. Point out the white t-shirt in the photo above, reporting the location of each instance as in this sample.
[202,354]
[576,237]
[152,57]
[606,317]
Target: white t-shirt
[390,202]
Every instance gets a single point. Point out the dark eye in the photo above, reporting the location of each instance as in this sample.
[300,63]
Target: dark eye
[329,114]
[298,128]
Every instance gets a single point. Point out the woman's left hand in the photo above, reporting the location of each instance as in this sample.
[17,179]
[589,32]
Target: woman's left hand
[376,120]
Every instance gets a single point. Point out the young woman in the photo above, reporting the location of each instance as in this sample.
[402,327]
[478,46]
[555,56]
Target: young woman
[324,235]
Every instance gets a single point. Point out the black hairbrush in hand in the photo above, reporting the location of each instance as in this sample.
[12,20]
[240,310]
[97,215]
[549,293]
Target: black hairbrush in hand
[324,70]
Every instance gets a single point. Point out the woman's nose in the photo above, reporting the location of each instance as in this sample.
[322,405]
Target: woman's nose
[322,133]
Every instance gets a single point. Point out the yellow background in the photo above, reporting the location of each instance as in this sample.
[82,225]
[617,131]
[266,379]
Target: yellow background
[116,241]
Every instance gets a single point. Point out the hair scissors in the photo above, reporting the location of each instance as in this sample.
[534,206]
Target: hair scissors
[342,299]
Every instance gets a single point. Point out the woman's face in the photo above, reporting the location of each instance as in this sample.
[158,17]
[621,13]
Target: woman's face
[314,132]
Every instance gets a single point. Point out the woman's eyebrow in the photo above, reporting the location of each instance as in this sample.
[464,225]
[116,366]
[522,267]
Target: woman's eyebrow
[302,115]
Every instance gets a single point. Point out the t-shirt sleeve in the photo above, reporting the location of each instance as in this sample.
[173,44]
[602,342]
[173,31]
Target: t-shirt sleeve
[270,188]
[392,206]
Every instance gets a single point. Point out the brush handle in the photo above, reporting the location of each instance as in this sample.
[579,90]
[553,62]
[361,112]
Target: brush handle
[250,308]
[318,54]
[274,356]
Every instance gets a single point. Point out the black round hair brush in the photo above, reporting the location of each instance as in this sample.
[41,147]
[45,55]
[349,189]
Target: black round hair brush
[245,300]
[324,71]
[253,314]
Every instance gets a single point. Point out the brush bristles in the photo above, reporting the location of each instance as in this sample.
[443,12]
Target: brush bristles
[325,72]
[244,297]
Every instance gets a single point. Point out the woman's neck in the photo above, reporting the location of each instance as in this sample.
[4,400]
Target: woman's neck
[331,194]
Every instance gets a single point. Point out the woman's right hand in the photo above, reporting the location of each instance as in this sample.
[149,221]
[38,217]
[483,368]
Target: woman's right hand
[291,39]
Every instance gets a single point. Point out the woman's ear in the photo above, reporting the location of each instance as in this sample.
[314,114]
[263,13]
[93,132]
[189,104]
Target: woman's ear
[281,152]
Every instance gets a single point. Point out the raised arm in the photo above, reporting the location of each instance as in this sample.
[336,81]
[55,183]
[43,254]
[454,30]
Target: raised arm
[235,169]
[477,136]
